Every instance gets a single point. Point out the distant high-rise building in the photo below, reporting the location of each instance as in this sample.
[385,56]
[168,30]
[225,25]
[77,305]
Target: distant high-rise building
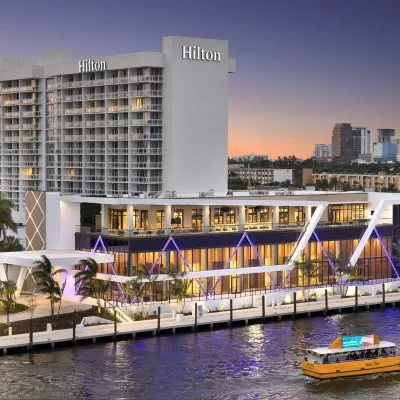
[342,142]
[385,135]
[322,151]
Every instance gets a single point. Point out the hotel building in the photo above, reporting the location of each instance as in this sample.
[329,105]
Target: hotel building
[117,125]
[84,143]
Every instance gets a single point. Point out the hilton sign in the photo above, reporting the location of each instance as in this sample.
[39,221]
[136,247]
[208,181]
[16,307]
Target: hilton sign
[197,53]
[91,65]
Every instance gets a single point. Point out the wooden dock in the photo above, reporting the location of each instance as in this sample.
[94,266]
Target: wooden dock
[190,323]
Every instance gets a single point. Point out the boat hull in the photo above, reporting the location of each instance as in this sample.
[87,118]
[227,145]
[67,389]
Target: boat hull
[351,368]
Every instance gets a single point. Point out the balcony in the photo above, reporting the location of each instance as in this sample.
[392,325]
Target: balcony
[146,93]
[146,151]
[9,176]
[30,177]
[72,84]
[95,124]
[11,139]
[94,96]
[28,101]
[117,179]
[147,107]
[11,127]
[67,164]
[93,82]
[30,114]
[75,97]
[53,86]
[95,178]
[118,108]
[95,165]
[10,151]
[29,151]
[71,111]
[116,165]
[30,138]
[29,126]
[14,114]
[14,89]
[72,138]
[67,150]
[145,78]
[119,136]
[73,178]
[94,137]
[146,122]
[27,89]
[148,165]
[11,102]
[123,151]
[145,136]
[94,110]
[121,122]
[120,80]
[117,95]
[94,151]
[147,180]
[76,124]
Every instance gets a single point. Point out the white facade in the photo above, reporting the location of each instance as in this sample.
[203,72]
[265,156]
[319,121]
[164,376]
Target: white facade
[322,151]
[366,141]
[116,125]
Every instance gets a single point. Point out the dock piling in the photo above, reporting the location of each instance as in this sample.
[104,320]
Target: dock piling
[294,304]
[158,320]
[326,301]
[383,296]
[230,311]
[195,316]
[356,299]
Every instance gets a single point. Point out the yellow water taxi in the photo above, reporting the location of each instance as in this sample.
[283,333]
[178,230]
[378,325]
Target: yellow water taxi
[352,356]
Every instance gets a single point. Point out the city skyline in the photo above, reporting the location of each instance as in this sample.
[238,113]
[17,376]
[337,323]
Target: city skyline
[301,68]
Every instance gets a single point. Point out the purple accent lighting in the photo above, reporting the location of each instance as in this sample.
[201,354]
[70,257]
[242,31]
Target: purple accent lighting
[386,253]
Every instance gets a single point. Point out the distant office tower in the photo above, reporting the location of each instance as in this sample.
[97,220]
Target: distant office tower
[362,144]
[322,151]
[342,142]
[385,135]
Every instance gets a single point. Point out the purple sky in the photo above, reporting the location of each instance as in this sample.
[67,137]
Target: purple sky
[302,65]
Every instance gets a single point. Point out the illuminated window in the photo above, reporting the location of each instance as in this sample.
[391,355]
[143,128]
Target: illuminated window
[160,219]
[197,218]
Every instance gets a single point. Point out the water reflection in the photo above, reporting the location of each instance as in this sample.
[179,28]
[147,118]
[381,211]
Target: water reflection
[254,362]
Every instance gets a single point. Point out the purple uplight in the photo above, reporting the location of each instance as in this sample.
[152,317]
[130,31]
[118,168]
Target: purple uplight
[326,255]
[386,253]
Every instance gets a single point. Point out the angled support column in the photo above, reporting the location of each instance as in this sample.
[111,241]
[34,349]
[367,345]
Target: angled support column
[306,234]
[367,233]
[20,280]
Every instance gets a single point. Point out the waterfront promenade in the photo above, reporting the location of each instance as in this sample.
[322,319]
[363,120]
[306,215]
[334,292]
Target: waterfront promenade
[168,325]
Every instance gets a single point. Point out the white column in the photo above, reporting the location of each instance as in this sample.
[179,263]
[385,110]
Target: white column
[276,215]
[129,217]
[167,218]
[20,280]
[242,217]
[308,213]
[104,216]
[206,218]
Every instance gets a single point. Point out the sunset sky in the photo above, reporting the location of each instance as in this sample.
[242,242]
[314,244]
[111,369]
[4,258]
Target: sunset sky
[302,65]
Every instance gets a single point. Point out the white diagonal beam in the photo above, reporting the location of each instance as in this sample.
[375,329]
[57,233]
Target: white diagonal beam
[309,229]
[20,280]
[367,233]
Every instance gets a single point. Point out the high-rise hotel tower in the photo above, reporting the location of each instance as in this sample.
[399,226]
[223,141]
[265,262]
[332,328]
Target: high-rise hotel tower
[117,125]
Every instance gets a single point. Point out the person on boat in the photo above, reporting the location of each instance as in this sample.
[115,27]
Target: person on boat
[368,354]
[325,359]
[376,354]
[337,359]
[383,353]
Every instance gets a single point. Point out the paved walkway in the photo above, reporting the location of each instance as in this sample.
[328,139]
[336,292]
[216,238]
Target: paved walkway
[43,308]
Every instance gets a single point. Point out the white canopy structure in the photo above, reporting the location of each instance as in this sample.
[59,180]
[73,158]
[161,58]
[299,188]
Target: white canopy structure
[16,265]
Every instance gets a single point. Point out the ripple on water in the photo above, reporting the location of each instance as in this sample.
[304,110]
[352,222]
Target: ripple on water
[253,362]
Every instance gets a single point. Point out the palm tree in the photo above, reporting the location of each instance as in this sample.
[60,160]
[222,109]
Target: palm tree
[178,288]
[345,272]
[7,292]
[137,286]
[46,281]
[90,272]
[10,243]
[6,220]
[97,289]
[309,269]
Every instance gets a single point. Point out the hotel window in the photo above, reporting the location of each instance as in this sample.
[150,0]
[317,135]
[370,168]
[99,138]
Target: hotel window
[299,214]
[117,219]
[345,212]
[251,214]
[264,214]
[144,219]
[136,219]
[283,215]
[197,218]
[160,219]
[218,216]
[231,216]
[177,218]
